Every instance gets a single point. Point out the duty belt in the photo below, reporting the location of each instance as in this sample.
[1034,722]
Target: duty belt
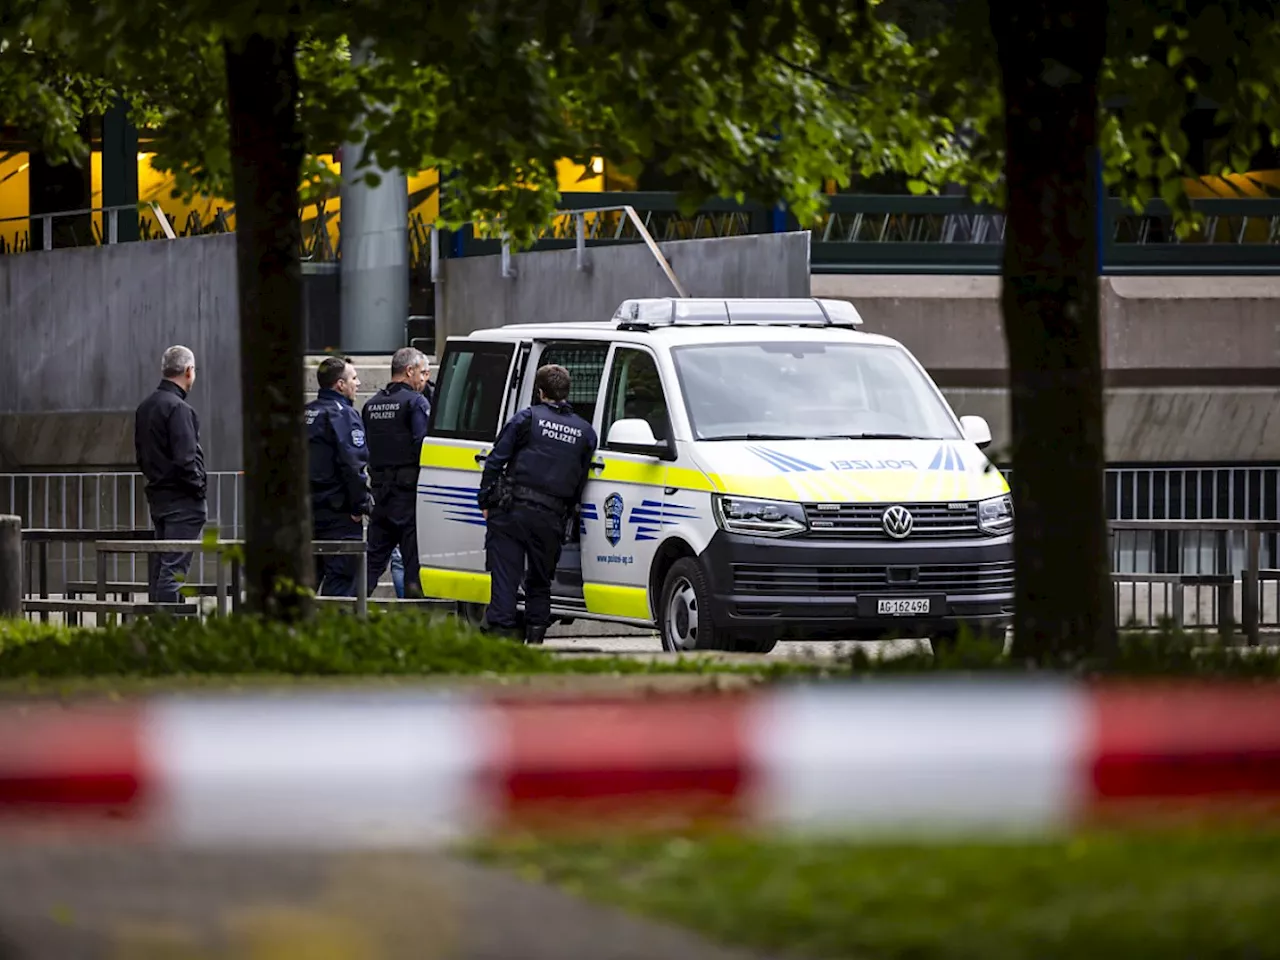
[539,499]
[404,475]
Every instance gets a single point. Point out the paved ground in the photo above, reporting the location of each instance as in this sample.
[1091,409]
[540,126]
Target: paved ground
[83,903]
[593,637]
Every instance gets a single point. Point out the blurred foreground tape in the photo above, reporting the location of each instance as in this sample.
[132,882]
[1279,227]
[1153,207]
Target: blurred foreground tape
[400,770]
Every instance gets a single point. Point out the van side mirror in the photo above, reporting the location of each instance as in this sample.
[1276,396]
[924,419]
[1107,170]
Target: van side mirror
[636,436]
[976,431]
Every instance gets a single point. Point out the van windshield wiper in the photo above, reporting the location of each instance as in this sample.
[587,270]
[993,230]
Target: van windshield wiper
[758,436]
[875,436]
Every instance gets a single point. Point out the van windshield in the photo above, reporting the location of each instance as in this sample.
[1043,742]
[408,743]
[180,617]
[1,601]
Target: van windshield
[808,390]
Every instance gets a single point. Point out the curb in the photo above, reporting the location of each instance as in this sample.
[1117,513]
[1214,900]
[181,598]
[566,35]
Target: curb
[343,770]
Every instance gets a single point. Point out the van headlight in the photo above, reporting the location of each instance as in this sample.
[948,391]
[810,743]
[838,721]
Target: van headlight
[995,516]
[759,518]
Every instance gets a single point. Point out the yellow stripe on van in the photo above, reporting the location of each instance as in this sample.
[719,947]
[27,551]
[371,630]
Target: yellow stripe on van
[449,457]
[613,601]
[652,474]
[866,487]
[455,585]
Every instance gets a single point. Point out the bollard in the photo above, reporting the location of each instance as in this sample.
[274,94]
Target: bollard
[10,566]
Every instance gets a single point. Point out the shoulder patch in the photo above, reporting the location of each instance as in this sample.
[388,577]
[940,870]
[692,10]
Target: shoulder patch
[357,438]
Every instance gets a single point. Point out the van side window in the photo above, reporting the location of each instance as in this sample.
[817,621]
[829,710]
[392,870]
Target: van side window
[635,393]
[471,392]
[585,363]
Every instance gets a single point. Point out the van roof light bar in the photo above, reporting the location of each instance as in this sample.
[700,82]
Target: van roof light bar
[650,313]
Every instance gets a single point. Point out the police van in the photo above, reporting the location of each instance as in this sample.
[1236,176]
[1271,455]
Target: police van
[765,471]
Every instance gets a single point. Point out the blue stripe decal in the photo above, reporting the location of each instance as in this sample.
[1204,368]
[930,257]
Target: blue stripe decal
[794,461]
[446,489]
[771,458]
[452,505]
[948,458]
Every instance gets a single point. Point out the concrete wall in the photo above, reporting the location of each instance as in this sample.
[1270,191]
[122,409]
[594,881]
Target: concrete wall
[548,286]
[1192,363]
[83,333]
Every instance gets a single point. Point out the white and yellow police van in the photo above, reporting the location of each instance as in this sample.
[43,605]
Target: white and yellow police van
[765,472]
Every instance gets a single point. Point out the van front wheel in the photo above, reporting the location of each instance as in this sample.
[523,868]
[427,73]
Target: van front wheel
[684,613]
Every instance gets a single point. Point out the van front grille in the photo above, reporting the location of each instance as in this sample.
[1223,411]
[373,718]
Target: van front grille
[763,579]
[863,521]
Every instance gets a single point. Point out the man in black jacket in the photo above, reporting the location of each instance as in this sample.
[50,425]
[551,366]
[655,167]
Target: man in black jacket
[395,421]
[166,438]
[542,456]
[338,458]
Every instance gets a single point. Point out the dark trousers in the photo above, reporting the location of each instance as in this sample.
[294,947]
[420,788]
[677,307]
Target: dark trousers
[523,542]
[395,524]
[336,576]
[181,520]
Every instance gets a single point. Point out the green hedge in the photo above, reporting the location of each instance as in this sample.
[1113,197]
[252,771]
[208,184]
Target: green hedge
[407,643]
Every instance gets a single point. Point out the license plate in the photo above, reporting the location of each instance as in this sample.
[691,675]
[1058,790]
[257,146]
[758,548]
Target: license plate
[902,607]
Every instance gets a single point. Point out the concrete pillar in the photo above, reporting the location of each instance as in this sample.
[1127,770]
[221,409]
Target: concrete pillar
[120,170]
[374,271]
[10,566]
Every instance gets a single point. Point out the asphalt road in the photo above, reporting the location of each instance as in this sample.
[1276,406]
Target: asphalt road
[587,637]
[60,901]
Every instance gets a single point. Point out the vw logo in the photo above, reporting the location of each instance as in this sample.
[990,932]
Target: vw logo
[897,522]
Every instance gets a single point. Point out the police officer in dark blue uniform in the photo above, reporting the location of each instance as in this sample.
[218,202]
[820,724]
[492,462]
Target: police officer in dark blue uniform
[339,460]
[395,421]
[532,481]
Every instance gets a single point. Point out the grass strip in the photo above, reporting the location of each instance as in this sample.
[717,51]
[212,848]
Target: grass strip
[1188,894]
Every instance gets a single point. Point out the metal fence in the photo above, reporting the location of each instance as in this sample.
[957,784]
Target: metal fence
[856,233]
[115,501]
[107,502]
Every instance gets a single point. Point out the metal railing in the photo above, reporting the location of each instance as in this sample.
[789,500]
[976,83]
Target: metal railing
[92,226]
[1238,555]
[106,502]
[856,233]
[1222,500]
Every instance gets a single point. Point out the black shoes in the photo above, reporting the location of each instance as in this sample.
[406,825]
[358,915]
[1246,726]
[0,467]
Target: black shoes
[534,635]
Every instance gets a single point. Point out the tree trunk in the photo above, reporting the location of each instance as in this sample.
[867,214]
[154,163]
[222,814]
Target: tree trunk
[1050,55]
[266,162]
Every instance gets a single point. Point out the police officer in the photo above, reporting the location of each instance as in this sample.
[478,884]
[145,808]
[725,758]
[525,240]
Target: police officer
[532,480]
[395,421]
[339,462]
[166,438]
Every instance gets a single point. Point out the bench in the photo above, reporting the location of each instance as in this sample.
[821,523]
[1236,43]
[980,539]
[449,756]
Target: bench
[356,548]
[76,587]
[125,608]
[1224,582]
[391,603]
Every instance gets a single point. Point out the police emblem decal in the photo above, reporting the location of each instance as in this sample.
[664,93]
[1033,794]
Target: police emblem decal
[357,438]
[613,518]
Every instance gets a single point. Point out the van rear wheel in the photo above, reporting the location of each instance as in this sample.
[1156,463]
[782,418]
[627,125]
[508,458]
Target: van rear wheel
[472,614]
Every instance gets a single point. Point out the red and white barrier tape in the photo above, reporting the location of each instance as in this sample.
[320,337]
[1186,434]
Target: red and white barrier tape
[342,770]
